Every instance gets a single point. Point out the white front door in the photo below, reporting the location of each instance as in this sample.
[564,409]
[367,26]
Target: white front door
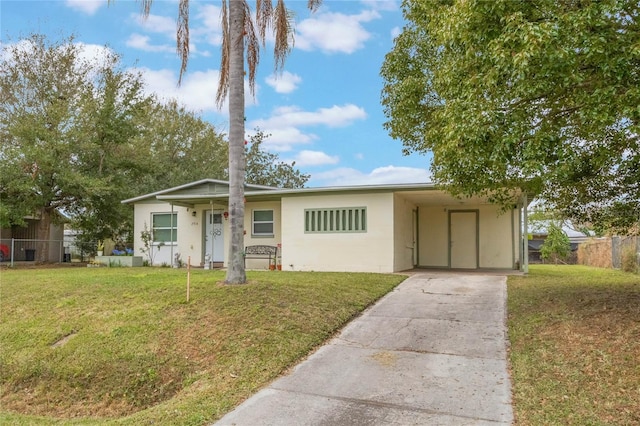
[463,239]
[214,236]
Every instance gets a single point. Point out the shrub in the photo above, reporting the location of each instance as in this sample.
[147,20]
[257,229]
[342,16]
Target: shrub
[630,260]
[556,246]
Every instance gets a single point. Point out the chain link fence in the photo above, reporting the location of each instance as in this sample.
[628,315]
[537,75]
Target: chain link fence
[54,251]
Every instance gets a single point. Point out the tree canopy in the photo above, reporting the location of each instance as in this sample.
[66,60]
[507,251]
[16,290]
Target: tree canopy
[541,95]
[64,123]
[78,136]
[265,168]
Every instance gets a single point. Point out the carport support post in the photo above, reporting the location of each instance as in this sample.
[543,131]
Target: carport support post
[211,236]
[525,236]
[171,237]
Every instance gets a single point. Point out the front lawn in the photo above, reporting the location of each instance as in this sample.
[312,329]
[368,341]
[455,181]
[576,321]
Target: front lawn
[575,346]
[122,345]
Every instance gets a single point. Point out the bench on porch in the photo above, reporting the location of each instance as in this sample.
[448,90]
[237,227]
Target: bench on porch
[261,252]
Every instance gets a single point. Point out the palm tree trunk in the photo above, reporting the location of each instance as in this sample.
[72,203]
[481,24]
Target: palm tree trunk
[235,268]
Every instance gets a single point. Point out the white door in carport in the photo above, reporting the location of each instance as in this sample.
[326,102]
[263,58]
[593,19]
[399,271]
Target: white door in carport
[214,236]
[463,239]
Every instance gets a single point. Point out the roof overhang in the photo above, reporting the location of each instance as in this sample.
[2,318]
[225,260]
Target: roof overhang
[427,194]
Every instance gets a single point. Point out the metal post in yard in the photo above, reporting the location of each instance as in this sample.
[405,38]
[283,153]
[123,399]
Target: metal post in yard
[188,276]
[13,247]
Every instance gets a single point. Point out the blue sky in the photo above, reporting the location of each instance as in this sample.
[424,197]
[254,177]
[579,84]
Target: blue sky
[323,112]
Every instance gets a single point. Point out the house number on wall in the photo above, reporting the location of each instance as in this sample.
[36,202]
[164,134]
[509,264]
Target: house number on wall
[194,223]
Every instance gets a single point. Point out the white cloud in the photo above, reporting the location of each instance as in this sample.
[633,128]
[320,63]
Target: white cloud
[157,24]
[284,83]
[89,7]
[141,42]
[386,5]
[165,26]
[381,175]
[395,32]
[95,53]
[359,156]
[212,30]
[334,32]
[315,158]
[335,116]
[197,91]
[284,138]
[285,122]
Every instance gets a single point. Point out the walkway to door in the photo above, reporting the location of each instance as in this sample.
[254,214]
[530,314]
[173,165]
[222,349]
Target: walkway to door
[431,352]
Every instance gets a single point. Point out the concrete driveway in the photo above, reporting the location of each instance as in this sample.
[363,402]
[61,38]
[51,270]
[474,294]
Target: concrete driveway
[431,352]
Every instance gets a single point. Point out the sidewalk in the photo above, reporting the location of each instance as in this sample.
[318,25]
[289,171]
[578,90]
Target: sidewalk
[431,352]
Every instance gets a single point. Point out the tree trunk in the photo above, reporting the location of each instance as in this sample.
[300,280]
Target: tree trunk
[235,268]
[44,233]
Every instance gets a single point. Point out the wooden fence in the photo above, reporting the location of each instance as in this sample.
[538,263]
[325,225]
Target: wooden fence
[607,252]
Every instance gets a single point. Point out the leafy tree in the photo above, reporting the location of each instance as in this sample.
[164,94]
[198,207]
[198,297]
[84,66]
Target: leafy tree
[556,246]
[264,168]
[177,147]
[540,95]
[239,35]
[63,124]
[79,137]
[109,162]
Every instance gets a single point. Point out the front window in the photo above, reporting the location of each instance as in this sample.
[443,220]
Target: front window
[165,227]
[262,223]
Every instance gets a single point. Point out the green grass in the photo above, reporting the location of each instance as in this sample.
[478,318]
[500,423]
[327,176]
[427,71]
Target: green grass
[575,346]
[122,345]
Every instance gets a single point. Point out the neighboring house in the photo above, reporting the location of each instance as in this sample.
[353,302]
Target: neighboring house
[538,235]
[372,228]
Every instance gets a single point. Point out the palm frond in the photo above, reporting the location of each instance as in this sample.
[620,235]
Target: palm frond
[223,82]
[146,7]
[252,45]
[264,14]
[313,5]
[182,33]
[283,32]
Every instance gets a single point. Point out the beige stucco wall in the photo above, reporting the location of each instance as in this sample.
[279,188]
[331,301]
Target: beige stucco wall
[142,218]
[386,246]
[251,240]
[403,244]
[371,251]
[433,237]
[191,231]
[496,236]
